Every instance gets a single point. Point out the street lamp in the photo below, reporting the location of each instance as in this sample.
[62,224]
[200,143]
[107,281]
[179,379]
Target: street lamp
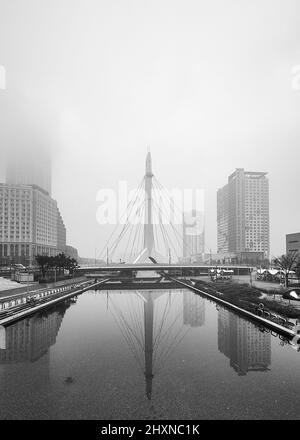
[27,280]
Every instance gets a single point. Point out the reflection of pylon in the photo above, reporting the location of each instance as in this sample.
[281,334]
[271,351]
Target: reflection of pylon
[148,326]
[144,343]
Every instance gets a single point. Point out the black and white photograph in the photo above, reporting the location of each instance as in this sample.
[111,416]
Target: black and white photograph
[149,215]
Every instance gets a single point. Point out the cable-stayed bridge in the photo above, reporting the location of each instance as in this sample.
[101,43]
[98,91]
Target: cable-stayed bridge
[150,230]
[150,226]
[148,238]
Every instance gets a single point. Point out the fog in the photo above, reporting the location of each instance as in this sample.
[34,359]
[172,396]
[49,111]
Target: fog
[209,85]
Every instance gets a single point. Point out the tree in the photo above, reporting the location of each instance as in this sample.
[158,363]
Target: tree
[286,263]
[297,268]
[43,262]
[71,264]
[58,262]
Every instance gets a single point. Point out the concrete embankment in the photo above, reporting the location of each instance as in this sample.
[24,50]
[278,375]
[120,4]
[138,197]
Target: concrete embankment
[279,329]
[31,309]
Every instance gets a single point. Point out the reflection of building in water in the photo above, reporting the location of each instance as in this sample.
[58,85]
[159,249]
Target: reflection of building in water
[245,345]
[30,339]
[193,309]
[151,324]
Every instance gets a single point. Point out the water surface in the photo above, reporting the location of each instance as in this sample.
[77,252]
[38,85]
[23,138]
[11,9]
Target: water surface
[145,355]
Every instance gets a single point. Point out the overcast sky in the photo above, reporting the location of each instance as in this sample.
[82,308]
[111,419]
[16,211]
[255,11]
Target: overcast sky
[208,84]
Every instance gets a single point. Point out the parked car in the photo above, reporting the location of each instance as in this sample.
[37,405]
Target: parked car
[292,294]
[4,269]
[19,266]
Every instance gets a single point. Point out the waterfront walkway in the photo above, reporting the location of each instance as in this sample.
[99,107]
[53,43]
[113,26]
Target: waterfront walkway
[15,308]
[23,288]
[7,284]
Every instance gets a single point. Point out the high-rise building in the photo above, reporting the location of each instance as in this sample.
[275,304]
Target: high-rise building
[243,343]
[243,216]
[29,167]
[30,224]
[72,252]
[222,220]
[61,233]
[293,243]
[193,234]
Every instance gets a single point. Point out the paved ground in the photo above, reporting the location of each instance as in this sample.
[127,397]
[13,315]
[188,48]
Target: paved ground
[6,284]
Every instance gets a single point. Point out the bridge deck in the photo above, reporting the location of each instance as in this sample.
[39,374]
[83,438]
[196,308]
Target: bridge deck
[159,266]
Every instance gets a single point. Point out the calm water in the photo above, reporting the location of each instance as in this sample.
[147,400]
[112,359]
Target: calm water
[145,355]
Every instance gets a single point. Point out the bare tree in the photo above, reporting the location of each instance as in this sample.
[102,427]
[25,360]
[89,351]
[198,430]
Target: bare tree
[286,263]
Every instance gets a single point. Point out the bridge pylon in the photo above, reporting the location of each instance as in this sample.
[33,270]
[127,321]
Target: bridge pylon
[149,246]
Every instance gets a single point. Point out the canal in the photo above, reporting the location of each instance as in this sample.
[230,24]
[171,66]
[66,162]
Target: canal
[145,355]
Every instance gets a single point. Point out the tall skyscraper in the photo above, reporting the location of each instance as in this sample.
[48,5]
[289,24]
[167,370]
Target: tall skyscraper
[243,216]
[30,220]
[29,167]
[293,243]
[223,220]
[193,234]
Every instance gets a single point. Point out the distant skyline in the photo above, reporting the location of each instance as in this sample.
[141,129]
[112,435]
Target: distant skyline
[208,85]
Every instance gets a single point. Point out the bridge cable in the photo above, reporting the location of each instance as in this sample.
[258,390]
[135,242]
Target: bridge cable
[178,236]
[131,202]
[124,231]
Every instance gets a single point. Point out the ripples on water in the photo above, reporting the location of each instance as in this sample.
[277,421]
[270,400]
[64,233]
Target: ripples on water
[144,355]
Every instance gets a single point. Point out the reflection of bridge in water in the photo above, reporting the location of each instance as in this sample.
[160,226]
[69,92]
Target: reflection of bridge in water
[153,323]
[156,324]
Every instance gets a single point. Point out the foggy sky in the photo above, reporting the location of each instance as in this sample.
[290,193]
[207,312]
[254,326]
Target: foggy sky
[208,84]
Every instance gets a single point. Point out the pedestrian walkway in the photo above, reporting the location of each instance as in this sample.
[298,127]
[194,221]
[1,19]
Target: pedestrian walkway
[36,286]
[6,284]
